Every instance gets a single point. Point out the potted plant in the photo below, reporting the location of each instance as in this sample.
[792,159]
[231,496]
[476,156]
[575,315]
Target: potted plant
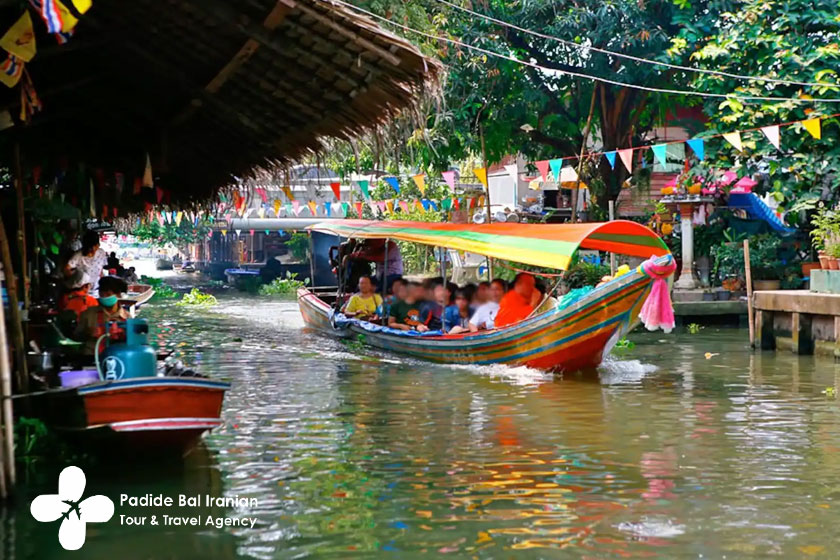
[834,256]
[826,235]
[765,262]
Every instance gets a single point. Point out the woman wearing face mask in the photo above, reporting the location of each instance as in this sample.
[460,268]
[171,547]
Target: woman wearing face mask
[93,321]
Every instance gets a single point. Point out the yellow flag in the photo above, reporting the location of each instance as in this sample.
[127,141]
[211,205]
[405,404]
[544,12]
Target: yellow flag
[389,204]
[419,206]
[277,205]
[420,181]
[178,218]
[481,173]
[68,20]
[734,138]
[813,126]
[313,207]
[20,38]
[288,192]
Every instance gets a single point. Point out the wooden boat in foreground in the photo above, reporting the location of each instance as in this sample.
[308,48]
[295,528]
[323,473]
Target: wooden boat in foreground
[576,335]
[138,416]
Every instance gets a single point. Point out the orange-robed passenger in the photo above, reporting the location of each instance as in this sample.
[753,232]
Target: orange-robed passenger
[516,305]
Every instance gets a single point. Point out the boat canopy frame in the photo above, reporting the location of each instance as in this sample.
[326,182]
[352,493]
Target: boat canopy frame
[544,245]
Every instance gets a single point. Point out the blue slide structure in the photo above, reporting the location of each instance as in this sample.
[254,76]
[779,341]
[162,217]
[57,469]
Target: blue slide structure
[756,209]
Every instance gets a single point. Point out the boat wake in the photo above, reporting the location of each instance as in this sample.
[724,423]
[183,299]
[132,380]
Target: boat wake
[520,375]
[617,372]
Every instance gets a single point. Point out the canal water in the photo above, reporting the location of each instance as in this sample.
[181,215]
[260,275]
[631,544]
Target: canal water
[684,446]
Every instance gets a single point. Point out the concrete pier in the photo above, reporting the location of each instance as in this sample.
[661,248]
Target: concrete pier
[801,321]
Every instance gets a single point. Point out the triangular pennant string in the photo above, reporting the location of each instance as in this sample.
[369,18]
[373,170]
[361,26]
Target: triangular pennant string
[449,177]
[734,138]
[772,134]
[542,167]
[481,174]
[336,189]
[360,209]
[610,158]
[394,182]
[660,153]
[698,147]
[363,184]
[420,181]
[813,127]
[627,158]
[556,166]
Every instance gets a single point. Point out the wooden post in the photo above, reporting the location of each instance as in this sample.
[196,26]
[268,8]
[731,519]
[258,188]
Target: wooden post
[21,233]
[14,310]
[7,450]
[487,196]
[612,255]
[749,292]
[582,151]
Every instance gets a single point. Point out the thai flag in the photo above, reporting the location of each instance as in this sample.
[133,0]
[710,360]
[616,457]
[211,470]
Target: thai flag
[12,66]
[49,11]
[63,36]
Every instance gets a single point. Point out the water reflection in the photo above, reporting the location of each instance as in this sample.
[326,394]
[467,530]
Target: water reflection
[360,455]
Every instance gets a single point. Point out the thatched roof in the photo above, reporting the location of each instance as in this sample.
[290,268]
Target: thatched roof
[212,88]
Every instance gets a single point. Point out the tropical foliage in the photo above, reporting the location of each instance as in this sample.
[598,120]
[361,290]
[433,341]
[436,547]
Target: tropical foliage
[179,235]
[287,285]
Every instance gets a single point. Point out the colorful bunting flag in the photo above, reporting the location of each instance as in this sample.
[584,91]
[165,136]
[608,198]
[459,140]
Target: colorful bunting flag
[404,206]
[389,205]
[420,181]
[734,138]
[660,152]
[327,208]
[313,207]
[419,205]
[394,182]
[556,167]
[296,207]
[611,159]
[446,204]
[698,147]
[449,177]
[336,189]
[772,134]
[481,174]
[513,171]
[277,205]
[363,184]
[542,167]
[456,203]
[345,208]
[360,209]
[178,217]
[627,159]
[813,127]
[288,208]
[288,192]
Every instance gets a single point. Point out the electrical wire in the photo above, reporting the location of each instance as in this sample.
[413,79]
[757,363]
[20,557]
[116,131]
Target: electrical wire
[629,56]
[586,76]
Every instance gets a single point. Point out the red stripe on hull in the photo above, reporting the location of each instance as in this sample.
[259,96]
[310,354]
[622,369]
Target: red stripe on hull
[583,356]
[145,402]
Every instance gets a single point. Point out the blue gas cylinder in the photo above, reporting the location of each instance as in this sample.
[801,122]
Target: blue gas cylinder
[134,358]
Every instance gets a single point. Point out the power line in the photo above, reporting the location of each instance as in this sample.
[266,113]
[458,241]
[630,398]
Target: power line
[629,56]
[584,76]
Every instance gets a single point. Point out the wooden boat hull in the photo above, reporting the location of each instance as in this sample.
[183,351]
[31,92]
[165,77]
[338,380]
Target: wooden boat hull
[574,338]
[146,415]
[138,294]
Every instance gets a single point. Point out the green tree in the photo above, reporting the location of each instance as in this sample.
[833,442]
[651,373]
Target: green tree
[171,234]
[795,40]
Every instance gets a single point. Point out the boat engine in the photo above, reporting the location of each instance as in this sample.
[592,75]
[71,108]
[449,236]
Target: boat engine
[129,359]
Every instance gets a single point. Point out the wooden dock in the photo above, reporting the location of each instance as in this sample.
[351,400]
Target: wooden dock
[801,321]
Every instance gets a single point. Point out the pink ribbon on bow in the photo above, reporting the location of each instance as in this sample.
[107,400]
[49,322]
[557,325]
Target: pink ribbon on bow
[657,311]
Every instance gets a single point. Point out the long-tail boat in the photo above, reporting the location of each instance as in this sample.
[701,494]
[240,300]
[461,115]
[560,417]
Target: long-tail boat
[575,335]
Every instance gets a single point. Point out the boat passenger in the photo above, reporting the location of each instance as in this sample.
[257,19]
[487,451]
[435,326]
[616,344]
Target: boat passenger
[516,305]
[456,318]
[90,259]
[77,299]
[373,250]
[130,275]
[405,313]
[93,322]
[432,311]
[485,315]
[482,294]
[429,285]
[395,293]
[539,299]
[364,305]
[469,290]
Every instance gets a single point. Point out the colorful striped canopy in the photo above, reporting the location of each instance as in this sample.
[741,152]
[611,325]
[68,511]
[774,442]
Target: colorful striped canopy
[545,245]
